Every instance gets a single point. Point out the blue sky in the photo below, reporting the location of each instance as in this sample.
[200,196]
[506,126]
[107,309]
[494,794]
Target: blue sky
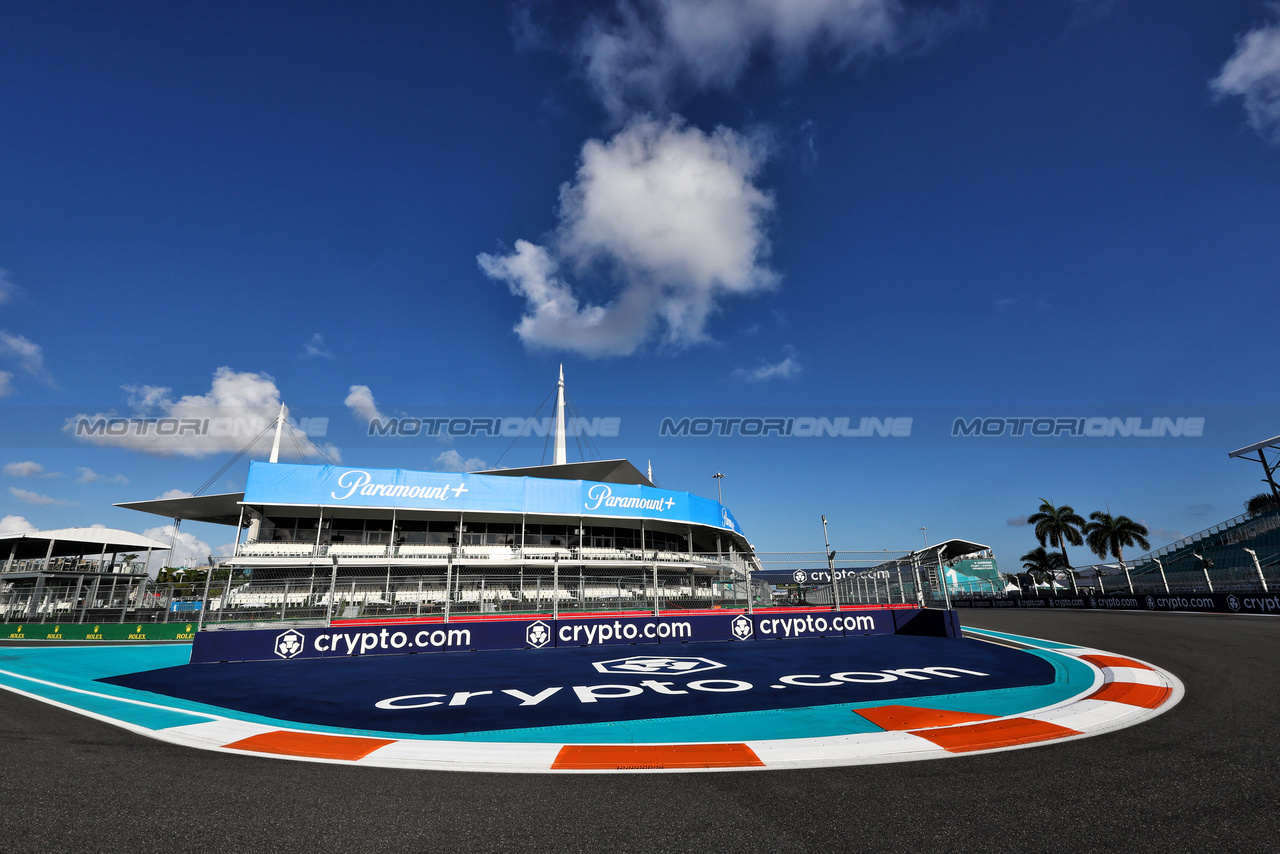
[834,208]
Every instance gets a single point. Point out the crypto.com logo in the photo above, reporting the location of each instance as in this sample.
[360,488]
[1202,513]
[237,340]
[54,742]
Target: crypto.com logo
[665,664]
[799,576]
[289,644]
[537,635]
[741,627]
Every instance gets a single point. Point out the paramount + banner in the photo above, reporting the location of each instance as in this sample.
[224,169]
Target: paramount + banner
[1222,603]
[288,643]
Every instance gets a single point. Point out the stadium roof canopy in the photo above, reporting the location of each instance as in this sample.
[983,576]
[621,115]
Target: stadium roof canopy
[947,550]
[221,509]
[74,542]
[224,509]
[1268,466]
[1273,442]
[600,471]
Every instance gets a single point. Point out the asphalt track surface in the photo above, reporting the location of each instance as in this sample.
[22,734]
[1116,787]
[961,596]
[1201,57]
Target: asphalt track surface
[1204,776]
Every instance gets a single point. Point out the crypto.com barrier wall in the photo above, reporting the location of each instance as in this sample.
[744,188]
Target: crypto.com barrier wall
[1223,603]
[397,638]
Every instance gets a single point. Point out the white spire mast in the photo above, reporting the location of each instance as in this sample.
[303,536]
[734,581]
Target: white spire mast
[275,446]
[561,454]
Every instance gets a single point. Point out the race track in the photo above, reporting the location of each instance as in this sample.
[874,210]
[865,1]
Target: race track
[1202,777]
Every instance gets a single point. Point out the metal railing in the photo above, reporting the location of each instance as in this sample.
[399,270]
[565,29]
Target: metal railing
[417,553]
[463,584]
[71,602]
[458,591]
[1237,530]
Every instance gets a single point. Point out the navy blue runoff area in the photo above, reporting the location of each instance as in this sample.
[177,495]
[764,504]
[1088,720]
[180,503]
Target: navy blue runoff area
[460,692]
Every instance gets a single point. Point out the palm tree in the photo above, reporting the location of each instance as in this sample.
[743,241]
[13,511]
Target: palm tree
[1057,526]
[1108,534]
[1263,502]
[1043,567]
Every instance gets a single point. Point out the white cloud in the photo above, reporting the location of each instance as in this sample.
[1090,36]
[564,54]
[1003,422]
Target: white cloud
[186,546]
[360,401]
[451,460]
[238,407]
[641,54]
[88,475]
[1017,522]
[786,369]
[669,217]
[1253,73]
[15,525]
[316,348]
[30,356]
[36,498]
[173,493]
[1163,535]
[8,290]
[26,468]
[6,383]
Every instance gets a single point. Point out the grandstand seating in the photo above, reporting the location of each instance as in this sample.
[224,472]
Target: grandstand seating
[424,551]
[1224,544]
[489,552]
[546,552]
[277,549]
[357,550]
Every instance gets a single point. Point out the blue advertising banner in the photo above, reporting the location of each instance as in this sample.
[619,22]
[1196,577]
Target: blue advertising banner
[544,633]
[338,486]
[1222,603]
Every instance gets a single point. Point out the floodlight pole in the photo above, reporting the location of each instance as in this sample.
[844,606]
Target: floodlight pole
[1258,567]
[942,579]
[1163,577]
[448,581]
[831,566]
[333,591]
[208,576]
[719,478]
[1205,563]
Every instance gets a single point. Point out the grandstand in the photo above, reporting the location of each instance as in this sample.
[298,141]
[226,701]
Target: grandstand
[1242,552]
[74,574]
[317,541]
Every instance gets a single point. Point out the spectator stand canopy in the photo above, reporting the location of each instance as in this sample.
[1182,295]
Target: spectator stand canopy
[41,566]
[1258,454]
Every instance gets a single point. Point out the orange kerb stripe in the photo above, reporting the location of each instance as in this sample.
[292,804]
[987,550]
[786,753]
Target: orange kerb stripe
[1132,693]
[915,717]
[315,745]
[987,736]
[616,757]
[1114,661]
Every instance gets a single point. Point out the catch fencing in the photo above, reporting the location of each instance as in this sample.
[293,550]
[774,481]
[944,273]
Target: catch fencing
[367,588]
